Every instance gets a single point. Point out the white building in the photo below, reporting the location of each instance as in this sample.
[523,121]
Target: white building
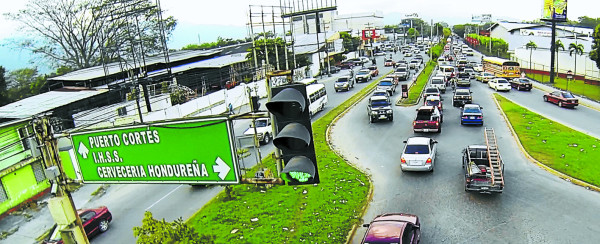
[330,21]
[326,45]
[517,35]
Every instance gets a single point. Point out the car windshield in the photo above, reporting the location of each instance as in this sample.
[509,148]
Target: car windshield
[502,81]
[363,72]
[389,60]
[524,81]
[380,93]
[567,95]
[400,70]
[385,83]
[416,149]
[472,110]
[487,74]
[462,93]
[379,103]
[431,90]
[342,79]
[432,103]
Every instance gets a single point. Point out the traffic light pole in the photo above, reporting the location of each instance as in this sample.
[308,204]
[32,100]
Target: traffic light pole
[64,202]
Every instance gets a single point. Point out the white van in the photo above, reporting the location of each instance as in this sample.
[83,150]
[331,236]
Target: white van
[448,71]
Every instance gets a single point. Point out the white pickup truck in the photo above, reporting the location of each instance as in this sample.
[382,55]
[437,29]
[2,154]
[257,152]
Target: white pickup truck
[438,82]
[264,130]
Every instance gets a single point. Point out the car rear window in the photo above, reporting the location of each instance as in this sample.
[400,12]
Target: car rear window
[432,103]
[567,95]
[385,83]
[416,149]
[342,79]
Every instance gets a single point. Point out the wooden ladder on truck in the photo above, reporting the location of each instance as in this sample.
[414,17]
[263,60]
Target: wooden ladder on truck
[494,157]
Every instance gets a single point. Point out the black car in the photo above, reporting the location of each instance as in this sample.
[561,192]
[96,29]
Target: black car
[521,84]
[334,69]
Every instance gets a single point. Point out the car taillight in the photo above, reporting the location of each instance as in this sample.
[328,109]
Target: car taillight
[414,123]
[465,117]
[437,123]
[479,117]
[402,160]
[428,161]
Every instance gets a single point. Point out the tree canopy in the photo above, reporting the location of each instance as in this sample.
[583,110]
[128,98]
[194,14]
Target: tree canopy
[595,53]
[85,33]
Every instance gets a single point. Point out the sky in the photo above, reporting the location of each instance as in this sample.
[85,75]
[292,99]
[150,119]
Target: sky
[204,21]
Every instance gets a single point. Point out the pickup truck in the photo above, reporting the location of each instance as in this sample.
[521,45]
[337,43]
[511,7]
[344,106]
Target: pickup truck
[464,79]
[264,130]
[379,107]
[387,84]
[483,166]
[429,119]
[461,97]
[344,83]
[402,73]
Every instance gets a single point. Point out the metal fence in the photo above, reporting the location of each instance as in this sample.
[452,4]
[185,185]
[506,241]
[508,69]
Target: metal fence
[592,74]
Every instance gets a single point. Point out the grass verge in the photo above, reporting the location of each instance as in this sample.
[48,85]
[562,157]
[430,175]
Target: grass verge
[324,213]
[575,86]
[414,92]
[553,144]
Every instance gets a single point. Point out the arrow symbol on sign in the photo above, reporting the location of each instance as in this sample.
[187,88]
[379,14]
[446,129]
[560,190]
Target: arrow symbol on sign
[83,150]
[222,168]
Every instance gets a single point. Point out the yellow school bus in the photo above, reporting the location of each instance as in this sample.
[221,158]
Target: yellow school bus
[501,67]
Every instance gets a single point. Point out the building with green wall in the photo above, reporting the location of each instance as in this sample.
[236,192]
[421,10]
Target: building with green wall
[21,166]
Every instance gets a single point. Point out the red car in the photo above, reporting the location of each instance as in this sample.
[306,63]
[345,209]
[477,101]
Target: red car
[374,70]
[398,228]
[95,221]
[561,98]
[389,62]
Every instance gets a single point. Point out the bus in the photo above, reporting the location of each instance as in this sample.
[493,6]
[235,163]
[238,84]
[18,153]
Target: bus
[501,67]
[317,96]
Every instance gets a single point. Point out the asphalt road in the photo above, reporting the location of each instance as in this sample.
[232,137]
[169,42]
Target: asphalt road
[536,207]
[129,202]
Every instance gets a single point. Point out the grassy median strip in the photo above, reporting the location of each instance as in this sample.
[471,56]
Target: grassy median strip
[417,88]
[553,144]
[324,213]
[575,86]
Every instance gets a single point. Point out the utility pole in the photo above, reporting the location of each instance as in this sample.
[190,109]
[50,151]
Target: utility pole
[61,206]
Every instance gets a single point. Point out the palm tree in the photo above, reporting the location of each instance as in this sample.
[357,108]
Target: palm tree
[577,49]
[530,45]
[558,45]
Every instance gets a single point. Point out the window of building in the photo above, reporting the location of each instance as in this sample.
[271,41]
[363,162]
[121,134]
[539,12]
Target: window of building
[24,133]
[3,196]
[38,171]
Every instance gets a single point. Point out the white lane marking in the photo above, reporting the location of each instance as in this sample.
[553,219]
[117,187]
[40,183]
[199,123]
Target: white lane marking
[163,197]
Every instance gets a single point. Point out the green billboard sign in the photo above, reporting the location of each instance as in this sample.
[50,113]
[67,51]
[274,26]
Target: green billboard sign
[192,151]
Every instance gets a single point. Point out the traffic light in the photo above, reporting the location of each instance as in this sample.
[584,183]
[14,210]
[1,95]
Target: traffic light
[289,106]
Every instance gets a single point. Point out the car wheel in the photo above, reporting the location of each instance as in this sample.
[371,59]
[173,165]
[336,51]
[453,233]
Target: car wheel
[518,88]
[391,118]
[545,99]
[267,138]
[103,225]
[371,119]
[440,129]
[496,88]
[560,104]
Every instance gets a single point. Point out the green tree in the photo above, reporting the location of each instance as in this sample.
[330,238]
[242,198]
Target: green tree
[160,231]
[22,83]
[595,53]
[558,45]
[413,33]
[350,43]
[531,46]
[85,33]
[588,22]
[576,49]
[3,88]
[447,32]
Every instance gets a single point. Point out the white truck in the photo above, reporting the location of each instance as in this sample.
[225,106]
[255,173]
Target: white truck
[264,130]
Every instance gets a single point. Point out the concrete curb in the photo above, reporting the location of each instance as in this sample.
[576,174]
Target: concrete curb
[535,161]
[328,136]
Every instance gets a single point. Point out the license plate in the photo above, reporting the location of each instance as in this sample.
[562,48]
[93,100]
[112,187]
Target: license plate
[425,130]
[472,117]
[485,188]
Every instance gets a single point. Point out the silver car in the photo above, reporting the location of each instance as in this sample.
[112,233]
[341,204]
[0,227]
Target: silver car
[418,154]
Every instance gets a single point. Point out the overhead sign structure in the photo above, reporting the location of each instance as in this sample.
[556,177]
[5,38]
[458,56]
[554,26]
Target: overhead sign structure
[192,151]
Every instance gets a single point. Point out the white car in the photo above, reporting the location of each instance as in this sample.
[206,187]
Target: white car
[418,154]
[499,84]
[478,68]
[264,130]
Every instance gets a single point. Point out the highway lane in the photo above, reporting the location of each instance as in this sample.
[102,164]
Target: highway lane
[129,202]
[536,207]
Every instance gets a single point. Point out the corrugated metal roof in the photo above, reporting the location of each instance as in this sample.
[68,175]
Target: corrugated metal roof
[216,62]
[46,101]
[114,68]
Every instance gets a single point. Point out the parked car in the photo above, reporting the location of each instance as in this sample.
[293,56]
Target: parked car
[485,77]
[397,228]
[561,98]
[499,84]
[343,83]
[334,69]
[94,221]
[379,108]
[418,154]
[363,75]
[521,84]
[471,114]
[461,97]
[347,64]
[374,70]
[264,130]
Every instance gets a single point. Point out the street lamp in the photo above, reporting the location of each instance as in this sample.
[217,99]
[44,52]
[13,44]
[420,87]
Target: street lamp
[569,78]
